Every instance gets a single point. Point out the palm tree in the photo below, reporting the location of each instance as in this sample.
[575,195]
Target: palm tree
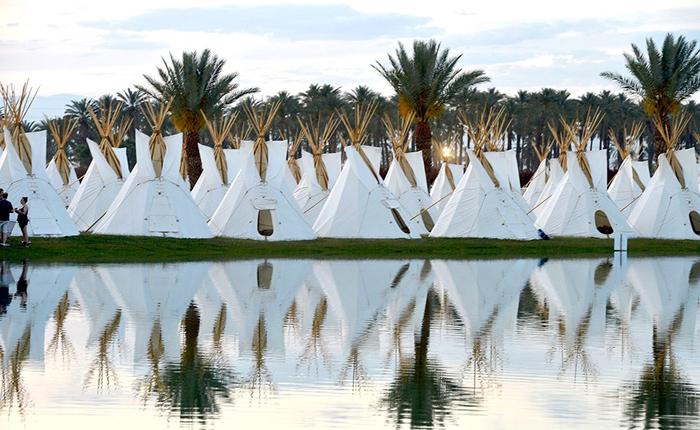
[425,80]
[196,83]
[663,79]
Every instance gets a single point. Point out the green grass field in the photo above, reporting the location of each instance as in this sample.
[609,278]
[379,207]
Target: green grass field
[114,249]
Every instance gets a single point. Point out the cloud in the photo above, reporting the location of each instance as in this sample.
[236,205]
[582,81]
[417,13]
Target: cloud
[292,22]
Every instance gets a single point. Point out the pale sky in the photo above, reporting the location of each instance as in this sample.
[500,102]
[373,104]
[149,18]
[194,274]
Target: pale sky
[93,47]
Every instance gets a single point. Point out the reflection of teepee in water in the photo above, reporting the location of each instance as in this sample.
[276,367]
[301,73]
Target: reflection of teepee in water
[252,289]
[193,385]
[663,396]
[101,370]
[59,341]
[12,390]
[405,304]
[150,293]
[422,393]
[578,293]
[485,296]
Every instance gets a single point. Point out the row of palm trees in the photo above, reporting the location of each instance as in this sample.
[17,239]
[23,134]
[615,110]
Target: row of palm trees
[429,85]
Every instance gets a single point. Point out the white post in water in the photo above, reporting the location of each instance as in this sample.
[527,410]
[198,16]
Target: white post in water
[620,242]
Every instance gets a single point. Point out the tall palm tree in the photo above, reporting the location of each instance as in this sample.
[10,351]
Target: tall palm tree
[196,83]
[663,79]
[425,80]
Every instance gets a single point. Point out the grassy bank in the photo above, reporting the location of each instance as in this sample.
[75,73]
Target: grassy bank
[94,249]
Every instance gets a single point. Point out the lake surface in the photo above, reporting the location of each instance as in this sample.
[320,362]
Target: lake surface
[588,343]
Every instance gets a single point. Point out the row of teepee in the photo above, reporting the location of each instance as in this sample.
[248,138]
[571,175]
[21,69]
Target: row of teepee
[258,190]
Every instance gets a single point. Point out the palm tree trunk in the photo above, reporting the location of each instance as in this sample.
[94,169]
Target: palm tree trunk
[194,162]
[423,143]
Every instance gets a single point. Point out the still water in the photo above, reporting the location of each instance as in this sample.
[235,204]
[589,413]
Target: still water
[589,343]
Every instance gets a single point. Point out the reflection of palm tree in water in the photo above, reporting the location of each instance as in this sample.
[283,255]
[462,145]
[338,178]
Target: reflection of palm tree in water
[663,398]
[422,392]
[102,368]
[193,386]
[60,340]
[13,390]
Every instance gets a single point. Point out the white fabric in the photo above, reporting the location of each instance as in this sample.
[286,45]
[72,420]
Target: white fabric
[47,213]
[309,194]
[536,186]
[556,173]
[413,199]
[150,206]
[477,208]
[571,209]
[98,189]
[237,215]
[359,205]
[663,209]
[505,166]
[442,188]
[623,189]
[209,190]
[65,192]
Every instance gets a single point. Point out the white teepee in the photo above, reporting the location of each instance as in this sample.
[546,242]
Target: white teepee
[447,178]
[580,205]
[360,205]
[60,171]
[487,201]
[669,207]
[406,178]
[319,171]
[537,183]
[259,203]
[23,172]
[445,183]
[219,168]
[155,200]
[106,174]
[633,176]
[479,207]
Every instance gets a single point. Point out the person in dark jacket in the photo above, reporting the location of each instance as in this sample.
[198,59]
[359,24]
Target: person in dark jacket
[5,224]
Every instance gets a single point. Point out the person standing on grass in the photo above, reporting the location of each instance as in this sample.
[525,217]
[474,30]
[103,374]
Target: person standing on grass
[23,219]
[5,225]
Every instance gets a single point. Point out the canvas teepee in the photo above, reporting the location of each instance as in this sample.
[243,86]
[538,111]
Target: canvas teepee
[319,170]
[484,203]
[580,205]
[60,171]
[259,204]
[539,178]
[360,205]
[107,172]
[22,171]
[633,175]
[557,168]
[219,167]
[406,177]
[446,180]
[669,207]
[155,200]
